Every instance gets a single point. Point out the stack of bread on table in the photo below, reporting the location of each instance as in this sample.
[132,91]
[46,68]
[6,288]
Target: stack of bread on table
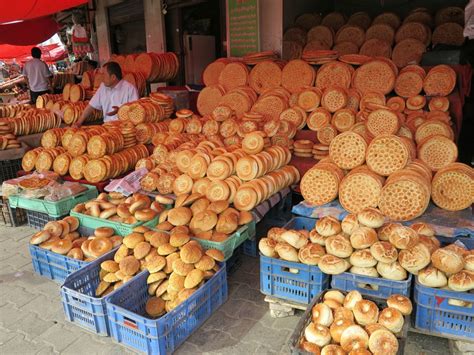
[201,218]
[366,246]
[177,266]
[348,323]
[245,175]
[96,153]
[62,237]
[116,207]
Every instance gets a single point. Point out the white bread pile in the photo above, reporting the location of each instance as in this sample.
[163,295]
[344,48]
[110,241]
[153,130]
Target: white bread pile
[343,324]
[365,245]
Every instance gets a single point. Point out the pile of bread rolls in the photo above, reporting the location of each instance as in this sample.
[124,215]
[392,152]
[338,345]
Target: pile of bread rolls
[62,237]
[366,246]
[118,208]
[348,323]
[215,221]
[177,265]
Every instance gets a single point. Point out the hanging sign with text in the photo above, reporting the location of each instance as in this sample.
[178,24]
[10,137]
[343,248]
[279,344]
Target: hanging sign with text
[243,27]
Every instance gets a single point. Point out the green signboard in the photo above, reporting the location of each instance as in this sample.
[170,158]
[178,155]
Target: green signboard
[243,27]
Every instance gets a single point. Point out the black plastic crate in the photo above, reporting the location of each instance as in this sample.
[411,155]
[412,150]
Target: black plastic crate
[38,220]
[11,217]
[9,169]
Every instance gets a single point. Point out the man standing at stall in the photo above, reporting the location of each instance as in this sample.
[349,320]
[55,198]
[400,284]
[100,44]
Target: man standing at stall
[112,93]
[38,77]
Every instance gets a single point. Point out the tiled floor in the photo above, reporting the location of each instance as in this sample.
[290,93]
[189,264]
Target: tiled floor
[32,319]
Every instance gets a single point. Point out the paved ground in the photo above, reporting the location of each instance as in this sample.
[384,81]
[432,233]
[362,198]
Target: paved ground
[32,319]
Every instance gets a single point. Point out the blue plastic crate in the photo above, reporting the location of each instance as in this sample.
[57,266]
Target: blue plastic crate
[290,280]
[436,316]
[38,220]
[81,307]
[53,266]
[131,327]
[371,286]
[299,223]
[250,247]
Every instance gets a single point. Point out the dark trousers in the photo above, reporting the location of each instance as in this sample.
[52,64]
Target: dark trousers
[34,95]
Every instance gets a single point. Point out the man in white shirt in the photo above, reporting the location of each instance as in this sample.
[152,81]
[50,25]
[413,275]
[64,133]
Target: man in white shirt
[38,76]
[112,93]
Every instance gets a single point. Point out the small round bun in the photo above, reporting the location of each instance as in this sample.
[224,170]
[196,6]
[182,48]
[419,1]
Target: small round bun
[366,312]
[267,247]
[61,246]
[40,237]
[349,223]
[191,253]
[294,238]
[383,342]
[461,250]
[317,238]
[332,265]
[145,215]
[286,252]
[275,234]
[384,252]
[104,232]
[180,216]
[364,271]
[344,313]
[447,261]
[335,295]
[370,328]
[317,334]
[462,281]
[322,314]
[338,327]
[423,229]
[328,226]
[311,254]
[432,243]
[354,337]
[469,261]
[392,271]
[392,319]
[310,348]
[363,258]
[363,237]
[415,258]
[432,277]
[351,299]
[333,349]
[404,238]
[339,246]
[387,230]
[400,302]
[371,217]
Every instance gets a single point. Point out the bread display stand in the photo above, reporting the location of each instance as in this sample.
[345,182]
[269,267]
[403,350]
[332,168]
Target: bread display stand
[131,327]
[445,313]
[304,321]
[81,307]
[55,266]
[122,229]
[59,208]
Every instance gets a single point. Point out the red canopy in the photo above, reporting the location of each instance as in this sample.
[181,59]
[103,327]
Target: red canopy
[49,53]
[28,32]
[17,10]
